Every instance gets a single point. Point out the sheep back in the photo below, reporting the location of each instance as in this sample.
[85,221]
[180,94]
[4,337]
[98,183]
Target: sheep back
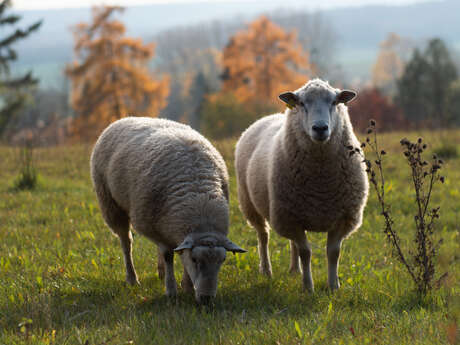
[166,177]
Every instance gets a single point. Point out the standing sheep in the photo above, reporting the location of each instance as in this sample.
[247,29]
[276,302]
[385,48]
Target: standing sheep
[171,184]
[294,171]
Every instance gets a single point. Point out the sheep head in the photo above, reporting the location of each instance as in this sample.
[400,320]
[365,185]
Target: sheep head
[202,255]
[317,106]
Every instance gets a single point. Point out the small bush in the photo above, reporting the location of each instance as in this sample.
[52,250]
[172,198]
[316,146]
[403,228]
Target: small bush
[223,116]
[28,176]
[446,151]
[424,174]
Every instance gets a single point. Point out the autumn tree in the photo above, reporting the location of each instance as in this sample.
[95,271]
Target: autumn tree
[110,77]
[12,96]
[263,61]
[390,62]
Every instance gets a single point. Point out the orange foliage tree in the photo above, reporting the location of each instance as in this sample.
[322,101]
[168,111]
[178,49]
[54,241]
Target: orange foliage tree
[390,62]
[372,104]
[263,61]
[110,77]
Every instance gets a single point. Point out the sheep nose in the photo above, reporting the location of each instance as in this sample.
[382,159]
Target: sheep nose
[320,129]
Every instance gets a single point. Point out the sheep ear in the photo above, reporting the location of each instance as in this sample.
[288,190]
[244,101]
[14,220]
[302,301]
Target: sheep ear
[290,98]
[345,96]
[187,244]
[232,247]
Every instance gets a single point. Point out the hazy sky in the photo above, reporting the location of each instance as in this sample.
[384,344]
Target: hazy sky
[48,4]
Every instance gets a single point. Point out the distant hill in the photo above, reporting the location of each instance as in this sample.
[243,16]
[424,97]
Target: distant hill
[360,29]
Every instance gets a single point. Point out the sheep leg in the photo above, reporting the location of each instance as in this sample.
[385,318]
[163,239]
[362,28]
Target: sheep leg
[186,283]
[161,265]
[126,240]
[263,236]
[170,280]
[305,252]
[294,266]
[334,242]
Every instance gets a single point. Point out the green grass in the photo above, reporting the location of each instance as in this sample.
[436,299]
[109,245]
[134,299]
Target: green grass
[62,273]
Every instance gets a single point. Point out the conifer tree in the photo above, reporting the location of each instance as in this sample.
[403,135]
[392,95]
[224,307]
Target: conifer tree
[423,89]
[12,96]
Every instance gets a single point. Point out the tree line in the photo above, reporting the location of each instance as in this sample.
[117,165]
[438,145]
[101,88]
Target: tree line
[220,78]
[411,87]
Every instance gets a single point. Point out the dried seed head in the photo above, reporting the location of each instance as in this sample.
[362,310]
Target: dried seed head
[363,145]
[383,152]
[369,130]
[372,122]
[419,140]
[404,141]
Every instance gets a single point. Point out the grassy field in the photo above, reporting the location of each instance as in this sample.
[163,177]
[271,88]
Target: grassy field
[62,273]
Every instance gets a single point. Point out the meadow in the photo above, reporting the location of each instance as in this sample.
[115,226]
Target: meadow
[62,274]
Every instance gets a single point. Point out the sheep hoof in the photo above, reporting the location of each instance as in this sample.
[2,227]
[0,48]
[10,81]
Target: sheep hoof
[308,289]
[133,281]
[267,271]
[334,287]
[294,270]
[308,286]
[171,294]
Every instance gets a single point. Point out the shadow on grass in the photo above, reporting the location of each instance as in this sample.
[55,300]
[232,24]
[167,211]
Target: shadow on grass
[107,302]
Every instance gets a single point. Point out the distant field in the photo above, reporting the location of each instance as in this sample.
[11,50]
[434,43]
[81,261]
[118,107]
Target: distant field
[62,276]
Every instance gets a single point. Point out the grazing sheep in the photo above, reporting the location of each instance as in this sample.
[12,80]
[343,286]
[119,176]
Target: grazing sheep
[171,184]
[294,171]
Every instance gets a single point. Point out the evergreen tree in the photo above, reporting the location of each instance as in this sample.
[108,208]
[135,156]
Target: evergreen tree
[423,87]
[12,96]
[453,104]
[441,73]
[413,89]
[200,88]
